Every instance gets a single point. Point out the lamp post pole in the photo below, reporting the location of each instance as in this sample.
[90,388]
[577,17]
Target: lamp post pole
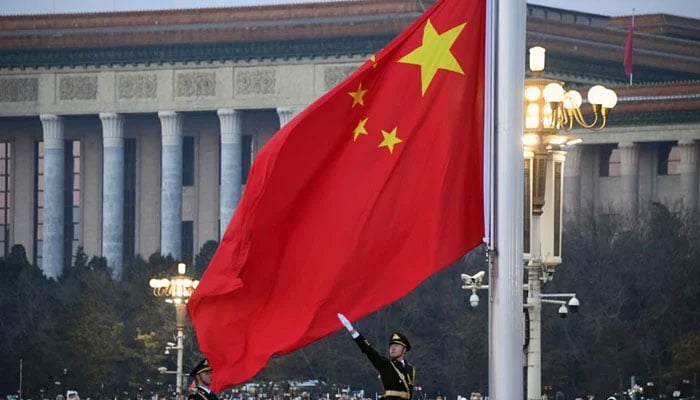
[180,322]
[534,344]
[176,290]
[549,108]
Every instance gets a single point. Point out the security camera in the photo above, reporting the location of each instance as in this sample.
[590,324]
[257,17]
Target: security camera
[474,300]
[162,370]
[473,279]
[573,304]
[563,311]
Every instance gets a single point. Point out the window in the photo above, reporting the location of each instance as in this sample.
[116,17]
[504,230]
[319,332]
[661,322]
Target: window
[609,161]
[558,180]
[246,157]
[5,197]
[527,179]
[187,242]
[129,249]
[188,161]
[38,201]
[669,159]
[71,231]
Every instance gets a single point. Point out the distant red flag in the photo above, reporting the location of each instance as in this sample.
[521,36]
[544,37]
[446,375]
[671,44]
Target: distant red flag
[351,205]
[627,63]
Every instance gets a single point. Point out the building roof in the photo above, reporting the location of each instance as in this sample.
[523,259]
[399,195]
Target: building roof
[582,48]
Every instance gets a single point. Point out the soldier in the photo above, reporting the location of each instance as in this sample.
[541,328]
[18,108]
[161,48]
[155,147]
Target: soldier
[202,379]
[396,374]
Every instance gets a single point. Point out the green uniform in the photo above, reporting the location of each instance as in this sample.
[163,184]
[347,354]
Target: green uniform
[397,377]
[202,394]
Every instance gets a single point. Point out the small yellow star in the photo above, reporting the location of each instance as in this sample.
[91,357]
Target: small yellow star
[374,61]
[390,139]
[357,96]
[434,53]
[360,129]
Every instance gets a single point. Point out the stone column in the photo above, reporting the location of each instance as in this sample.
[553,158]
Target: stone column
[629,176]
[54,196]
[171,184]
[286,114]
[231,165]
[113,192]
[689,173]
[572,183]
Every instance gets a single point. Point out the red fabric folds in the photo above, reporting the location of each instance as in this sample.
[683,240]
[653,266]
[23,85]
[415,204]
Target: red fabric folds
[352,204]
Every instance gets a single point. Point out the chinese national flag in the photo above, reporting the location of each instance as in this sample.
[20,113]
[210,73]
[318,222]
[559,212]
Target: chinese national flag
[351,205]
[627,62]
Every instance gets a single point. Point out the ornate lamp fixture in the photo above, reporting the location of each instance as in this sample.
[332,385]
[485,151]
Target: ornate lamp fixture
[176,290]
[550,108]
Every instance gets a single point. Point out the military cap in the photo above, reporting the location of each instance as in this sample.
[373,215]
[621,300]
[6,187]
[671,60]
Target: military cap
[399,338]
[203,366]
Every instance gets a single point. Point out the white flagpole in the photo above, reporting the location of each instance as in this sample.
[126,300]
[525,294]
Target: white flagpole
[506,274]
[489,116]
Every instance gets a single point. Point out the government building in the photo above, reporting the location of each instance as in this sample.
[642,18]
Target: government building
[132,133]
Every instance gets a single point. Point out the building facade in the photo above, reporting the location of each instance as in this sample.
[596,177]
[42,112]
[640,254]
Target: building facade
[132,133]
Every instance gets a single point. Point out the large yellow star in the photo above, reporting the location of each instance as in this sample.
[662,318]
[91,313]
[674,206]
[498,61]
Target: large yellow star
[357,97]
[434,54]
[390,139]
[360,129]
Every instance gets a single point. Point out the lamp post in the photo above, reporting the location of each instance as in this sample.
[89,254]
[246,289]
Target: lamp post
[549,109]
[176,290]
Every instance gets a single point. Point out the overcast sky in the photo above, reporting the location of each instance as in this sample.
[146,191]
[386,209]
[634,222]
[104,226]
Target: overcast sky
[689,8]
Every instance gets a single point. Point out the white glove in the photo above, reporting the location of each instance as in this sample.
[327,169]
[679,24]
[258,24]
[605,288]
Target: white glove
[346,323]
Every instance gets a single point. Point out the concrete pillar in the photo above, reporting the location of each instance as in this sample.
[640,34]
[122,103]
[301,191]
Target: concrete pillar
[572,183]
[689,173]
[629,176]
[231,165]
[113,192]
[54,196]
[286,114]
[171,184]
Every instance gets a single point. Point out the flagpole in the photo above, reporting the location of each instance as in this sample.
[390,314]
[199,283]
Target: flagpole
[489,117]
[632,74]
[506,274]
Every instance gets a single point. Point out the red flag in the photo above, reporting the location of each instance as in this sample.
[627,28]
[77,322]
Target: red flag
[370,190]
[627,63]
